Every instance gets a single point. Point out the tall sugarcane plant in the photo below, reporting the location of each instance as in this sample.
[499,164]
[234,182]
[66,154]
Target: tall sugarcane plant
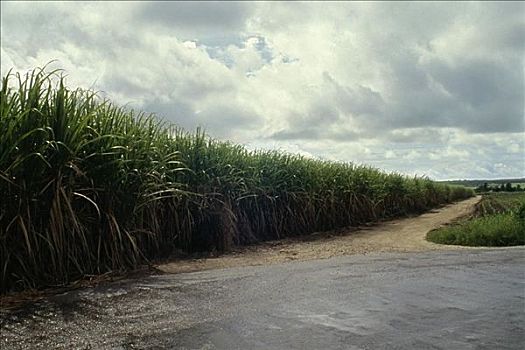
[88,187]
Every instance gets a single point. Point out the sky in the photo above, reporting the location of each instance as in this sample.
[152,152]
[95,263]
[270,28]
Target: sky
[428,89]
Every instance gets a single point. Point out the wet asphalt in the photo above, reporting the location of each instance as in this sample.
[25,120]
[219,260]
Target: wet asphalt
[463,299]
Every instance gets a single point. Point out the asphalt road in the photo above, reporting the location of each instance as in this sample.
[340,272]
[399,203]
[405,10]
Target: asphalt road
[468,299]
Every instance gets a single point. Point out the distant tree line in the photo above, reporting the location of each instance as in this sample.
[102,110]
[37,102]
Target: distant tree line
[490,182]
[506,187]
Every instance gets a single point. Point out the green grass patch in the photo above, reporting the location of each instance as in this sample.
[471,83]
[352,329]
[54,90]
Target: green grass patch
[491,231]
[498,220]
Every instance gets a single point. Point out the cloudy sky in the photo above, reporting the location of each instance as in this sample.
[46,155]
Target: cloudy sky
[432,89]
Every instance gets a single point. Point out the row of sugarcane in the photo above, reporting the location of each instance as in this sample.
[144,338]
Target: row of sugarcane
[88,187]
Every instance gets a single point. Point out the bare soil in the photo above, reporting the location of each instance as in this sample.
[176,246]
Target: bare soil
[400,235]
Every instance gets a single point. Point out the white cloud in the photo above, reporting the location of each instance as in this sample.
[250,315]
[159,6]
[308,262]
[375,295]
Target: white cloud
[436,89]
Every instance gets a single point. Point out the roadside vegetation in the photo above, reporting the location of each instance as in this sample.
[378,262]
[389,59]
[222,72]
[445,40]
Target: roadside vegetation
[498,220]
[485,186]
[88,187]
[503,187]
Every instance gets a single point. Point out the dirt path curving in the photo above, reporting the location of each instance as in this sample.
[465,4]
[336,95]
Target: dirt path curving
[401,235]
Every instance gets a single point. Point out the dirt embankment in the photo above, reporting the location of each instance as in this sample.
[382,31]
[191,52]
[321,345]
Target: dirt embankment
[401,235]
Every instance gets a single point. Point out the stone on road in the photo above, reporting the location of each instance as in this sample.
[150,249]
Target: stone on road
[461,299]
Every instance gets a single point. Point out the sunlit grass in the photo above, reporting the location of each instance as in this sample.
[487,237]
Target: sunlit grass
[493,203]
[499,220]
[495,230]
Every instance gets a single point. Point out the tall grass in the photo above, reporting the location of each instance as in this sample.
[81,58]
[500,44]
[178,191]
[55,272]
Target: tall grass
[87,187]
[499,203]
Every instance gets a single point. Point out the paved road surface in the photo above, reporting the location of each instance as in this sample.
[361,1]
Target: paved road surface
[466,299]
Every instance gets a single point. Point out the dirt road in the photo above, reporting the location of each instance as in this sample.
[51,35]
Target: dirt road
[400,235]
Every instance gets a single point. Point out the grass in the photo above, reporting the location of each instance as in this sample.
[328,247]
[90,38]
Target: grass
[502,202]
[491,231]
[89,187]
[498,220]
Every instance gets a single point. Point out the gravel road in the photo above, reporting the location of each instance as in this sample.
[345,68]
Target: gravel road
[457,299]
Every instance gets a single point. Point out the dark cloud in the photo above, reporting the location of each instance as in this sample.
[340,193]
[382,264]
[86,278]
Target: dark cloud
[329,113]
[489,95]
[227,120]
[357,101]
[316,123]
[312,133]
[222,121]
[301,134]
[197,17]
[477,95]
[474,82]
[179,113]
